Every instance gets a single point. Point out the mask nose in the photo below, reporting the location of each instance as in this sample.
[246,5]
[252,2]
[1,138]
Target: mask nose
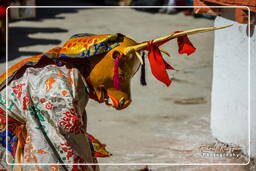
[123,103]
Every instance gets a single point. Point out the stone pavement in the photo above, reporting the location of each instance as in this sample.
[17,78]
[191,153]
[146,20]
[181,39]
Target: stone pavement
[163,124]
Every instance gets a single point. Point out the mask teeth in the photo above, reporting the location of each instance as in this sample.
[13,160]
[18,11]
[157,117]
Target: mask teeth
[116,79]
[143,74]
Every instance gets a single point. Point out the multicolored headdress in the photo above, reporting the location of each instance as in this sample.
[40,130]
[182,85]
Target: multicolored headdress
[83,45]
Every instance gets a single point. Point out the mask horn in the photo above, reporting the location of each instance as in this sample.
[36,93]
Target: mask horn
[139,57]
[143,46]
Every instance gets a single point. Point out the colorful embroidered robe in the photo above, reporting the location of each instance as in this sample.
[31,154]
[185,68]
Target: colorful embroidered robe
[57,95]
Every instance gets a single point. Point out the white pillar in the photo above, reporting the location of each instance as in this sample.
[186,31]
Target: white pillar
[229,113]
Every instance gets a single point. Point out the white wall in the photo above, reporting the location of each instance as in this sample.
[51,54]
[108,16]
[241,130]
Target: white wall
[229,113]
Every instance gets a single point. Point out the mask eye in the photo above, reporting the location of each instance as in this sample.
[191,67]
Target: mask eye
[121,77]
[116,54]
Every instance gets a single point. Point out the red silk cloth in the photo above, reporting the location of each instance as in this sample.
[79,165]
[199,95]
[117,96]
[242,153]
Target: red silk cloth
[2,12]
[158,65]
[3,6]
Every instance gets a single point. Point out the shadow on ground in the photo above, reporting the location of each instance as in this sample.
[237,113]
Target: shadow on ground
[18,37]
[64,6]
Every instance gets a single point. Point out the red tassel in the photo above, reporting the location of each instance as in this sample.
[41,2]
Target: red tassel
[185,46]
[157,64]
[116,79]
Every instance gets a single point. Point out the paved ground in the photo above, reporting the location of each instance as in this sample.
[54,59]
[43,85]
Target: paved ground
[163,124]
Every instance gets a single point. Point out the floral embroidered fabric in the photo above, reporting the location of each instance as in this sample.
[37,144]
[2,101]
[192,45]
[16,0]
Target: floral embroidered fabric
[57,96]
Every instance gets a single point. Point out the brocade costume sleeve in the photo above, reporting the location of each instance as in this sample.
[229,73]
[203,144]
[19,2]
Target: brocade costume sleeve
[57,96]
